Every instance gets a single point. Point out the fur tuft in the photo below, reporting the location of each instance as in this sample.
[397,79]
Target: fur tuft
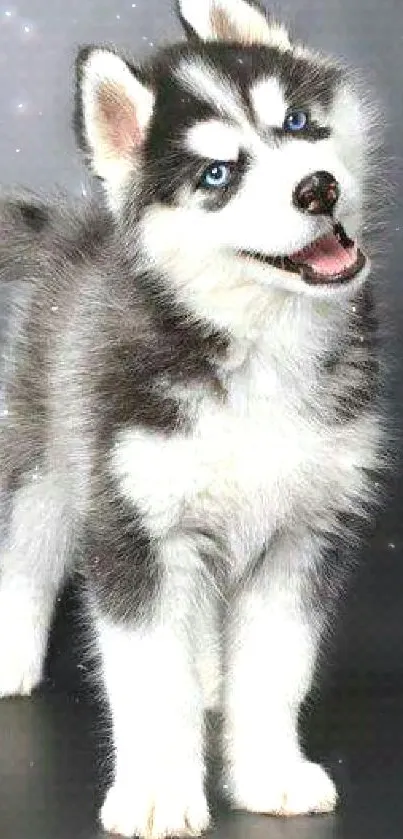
[234,21]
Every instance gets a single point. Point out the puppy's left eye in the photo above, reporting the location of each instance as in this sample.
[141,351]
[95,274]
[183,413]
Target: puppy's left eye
[296,121]
[217,176]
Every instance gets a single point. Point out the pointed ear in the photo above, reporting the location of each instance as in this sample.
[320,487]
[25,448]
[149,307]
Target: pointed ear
[113,109]
[236,21]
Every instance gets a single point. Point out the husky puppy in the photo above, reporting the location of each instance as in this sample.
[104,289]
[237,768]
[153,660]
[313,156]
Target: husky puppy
[190,377]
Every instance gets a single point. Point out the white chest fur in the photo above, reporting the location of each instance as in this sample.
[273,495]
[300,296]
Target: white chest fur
[256,461]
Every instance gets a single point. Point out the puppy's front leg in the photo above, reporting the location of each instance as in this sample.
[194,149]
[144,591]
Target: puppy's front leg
[273,636]
[156,703]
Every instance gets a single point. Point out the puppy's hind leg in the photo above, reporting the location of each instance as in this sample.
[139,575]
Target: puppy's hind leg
[32,566]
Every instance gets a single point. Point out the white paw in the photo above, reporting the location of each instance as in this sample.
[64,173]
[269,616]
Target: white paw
[23,641]
[22,653]
[178,811]
[20,667]
[296,789]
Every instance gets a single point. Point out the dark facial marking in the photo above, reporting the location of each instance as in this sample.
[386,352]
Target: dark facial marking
[311,133]
[168,166]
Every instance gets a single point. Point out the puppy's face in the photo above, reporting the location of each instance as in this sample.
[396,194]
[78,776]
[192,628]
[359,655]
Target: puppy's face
[244,156]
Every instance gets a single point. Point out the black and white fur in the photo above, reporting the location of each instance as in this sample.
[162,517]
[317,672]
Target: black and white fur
[193,430]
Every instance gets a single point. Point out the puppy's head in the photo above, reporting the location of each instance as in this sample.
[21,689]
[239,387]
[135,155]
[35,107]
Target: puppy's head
[241,157]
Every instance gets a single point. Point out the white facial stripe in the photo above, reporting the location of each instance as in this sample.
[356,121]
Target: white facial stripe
[269,102]
[201,80]
[214,140]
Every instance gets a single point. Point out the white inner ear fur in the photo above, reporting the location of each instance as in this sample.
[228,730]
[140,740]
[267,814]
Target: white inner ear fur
[116,111]
[233,20]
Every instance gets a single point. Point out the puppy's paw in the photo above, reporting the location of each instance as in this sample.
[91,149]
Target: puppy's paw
[290,790]
[173,810]
[21,661]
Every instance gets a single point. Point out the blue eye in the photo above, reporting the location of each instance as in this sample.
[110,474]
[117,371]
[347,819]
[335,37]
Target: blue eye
[216,176]
[295,121]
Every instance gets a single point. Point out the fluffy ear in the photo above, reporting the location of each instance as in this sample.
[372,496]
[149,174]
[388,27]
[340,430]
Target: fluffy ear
[237,21]
[112,112]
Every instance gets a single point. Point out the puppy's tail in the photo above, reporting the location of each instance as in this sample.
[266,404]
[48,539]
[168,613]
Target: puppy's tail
[25,223]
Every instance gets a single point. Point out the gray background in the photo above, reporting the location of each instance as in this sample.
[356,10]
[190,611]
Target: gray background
[38,39]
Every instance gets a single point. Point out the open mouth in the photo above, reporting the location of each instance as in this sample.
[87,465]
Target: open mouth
[333,259]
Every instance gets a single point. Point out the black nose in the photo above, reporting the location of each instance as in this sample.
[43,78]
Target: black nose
[317,194]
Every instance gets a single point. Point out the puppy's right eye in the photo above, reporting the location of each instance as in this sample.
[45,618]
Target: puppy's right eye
[217,176]
[296,121]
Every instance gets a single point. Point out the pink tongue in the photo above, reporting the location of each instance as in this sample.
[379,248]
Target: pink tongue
[326,256]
